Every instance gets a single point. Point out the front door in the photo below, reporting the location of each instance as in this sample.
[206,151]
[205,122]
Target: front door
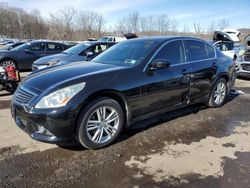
[168,87]
[34,52]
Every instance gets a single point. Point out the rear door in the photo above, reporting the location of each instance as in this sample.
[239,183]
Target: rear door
[202,59]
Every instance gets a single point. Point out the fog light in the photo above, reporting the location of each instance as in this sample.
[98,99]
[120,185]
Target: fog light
[43,130]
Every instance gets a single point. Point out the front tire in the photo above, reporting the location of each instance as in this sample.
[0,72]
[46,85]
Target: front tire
[218,93]
[100,123]
[8,62]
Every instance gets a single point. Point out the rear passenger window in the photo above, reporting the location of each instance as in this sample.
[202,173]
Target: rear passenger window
[51,47]
[225,46]
[54,47]
[172,52]
[38,47]
[210,51]
[196,50]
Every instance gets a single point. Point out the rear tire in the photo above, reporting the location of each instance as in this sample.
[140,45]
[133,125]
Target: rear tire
[11,87]
[218,93]
[100,123]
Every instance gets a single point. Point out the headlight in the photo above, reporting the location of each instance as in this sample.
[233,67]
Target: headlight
[53,62]
[242,52]
[60,97]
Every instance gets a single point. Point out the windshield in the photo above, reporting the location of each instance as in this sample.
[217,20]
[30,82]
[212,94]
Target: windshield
[77,49]
[104,39]
[127,53]
[21,47]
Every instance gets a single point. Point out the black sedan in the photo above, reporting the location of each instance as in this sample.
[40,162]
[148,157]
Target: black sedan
[92,102]
[24,55]
[81,52]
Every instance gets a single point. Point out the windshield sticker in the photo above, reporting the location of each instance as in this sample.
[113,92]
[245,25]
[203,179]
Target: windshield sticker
[130,61]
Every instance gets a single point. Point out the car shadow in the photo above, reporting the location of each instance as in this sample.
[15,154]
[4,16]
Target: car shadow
[5,94]
[243,78]
[154,121]
[166,117]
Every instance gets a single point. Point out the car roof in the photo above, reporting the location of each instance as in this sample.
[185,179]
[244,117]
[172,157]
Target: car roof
[98,42]
[45,41]
[167,38]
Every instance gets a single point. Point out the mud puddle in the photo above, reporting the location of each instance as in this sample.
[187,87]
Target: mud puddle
[198,147]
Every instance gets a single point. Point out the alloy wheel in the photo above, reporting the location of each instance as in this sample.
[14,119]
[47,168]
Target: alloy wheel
[102,124]
[8,63]
[219,93]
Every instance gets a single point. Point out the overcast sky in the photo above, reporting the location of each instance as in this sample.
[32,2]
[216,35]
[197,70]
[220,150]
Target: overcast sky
[185,11]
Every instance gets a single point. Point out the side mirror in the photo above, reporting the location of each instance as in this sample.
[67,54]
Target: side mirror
[89,54]
[159,64]
[28,51]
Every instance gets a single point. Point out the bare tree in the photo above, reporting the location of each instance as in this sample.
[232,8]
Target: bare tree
[16,23]
[163,24]
[62,23]
[91,23]
[129,23]
[133,20]
[185,29]
[222,24]
[211,27]
[198,29]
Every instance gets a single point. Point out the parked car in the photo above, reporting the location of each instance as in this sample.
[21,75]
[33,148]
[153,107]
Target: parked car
[93,101]
[130,36]
[112,39]
[233,34]
[224,43]
[11,46]
[24,55]
[243,60]
[81,52]
[7,41]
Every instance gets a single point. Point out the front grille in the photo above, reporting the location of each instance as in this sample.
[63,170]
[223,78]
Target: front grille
[246,67]
[23,95]
[247,57]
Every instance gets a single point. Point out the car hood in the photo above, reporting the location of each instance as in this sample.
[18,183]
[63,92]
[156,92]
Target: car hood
[55,76]
[45,60]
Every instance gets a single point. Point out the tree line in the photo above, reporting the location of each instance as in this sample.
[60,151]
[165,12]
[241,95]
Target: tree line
[70,24]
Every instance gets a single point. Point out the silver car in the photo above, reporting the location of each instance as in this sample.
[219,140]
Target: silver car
[243,60]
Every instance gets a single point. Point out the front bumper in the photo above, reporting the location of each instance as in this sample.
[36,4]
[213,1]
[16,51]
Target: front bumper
[45,126]
[241,69]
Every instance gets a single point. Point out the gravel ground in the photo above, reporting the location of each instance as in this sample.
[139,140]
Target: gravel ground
[191,147]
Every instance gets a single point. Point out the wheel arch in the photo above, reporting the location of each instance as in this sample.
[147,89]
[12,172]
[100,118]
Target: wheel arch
[115,95]
[225,76]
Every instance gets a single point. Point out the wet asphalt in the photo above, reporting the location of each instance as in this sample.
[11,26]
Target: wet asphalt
[77,167]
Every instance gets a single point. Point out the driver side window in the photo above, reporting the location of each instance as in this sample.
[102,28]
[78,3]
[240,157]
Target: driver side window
[172,52]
